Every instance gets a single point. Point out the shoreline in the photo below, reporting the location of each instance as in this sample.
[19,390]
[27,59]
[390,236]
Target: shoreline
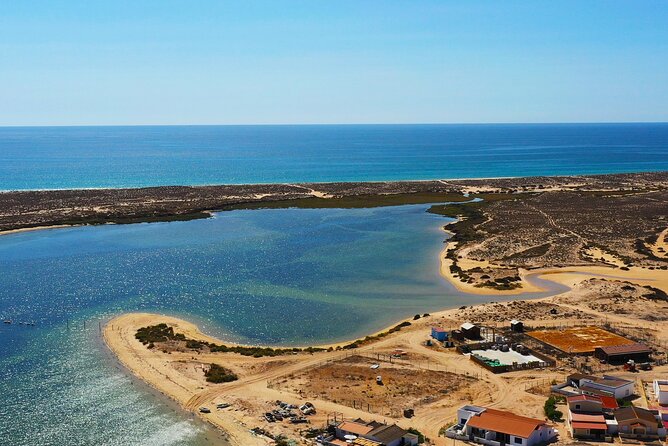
[38,228]
[403,180]
[212,432]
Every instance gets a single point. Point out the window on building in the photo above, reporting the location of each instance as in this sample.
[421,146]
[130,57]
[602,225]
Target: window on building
[518,440]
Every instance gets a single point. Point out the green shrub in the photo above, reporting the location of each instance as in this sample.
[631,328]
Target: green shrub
[217,374]
[551,411]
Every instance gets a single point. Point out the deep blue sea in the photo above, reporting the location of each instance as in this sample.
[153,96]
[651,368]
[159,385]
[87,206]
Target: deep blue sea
[94,157]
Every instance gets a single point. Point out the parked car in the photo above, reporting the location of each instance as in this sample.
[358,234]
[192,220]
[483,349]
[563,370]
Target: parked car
[307,409]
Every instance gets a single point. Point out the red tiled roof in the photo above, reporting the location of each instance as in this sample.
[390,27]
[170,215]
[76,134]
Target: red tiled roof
[355,428]
[609,402]
[505,422]
[587,418]
[582,425]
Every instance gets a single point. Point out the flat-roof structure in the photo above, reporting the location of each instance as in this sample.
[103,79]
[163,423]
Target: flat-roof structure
[579,340]
[506,358]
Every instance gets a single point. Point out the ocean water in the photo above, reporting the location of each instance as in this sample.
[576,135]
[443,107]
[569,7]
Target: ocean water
[94,157]
[285,276]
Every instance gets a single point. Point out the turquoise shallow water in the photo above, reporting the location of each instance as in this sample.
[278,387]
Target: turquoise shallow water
[290,276]
[85,157]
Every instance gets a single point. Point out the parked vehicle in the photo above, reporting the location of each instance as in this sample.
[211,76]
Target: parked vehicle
[307,409]
[204,410]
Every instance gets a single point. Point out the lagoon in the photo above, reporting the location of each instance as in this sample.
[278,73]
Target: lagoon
[280,277]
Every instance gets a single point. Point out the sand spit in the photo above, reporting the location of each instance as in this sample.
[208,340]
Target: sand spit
[45,208]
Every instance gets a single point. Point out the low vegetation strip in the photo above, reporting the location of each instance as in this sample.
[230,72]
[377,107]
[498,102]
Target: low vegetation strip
[163,333]
[356,201]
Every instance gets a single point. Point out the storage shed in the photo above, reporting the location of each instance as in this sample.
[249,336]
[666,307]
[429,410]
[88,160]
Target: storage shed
[439,334]
[620,354]
[517,326]
[470,331]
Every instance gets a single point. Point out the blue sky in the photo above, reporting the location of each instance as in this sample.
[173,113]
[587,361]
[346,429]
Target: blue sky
[220,62]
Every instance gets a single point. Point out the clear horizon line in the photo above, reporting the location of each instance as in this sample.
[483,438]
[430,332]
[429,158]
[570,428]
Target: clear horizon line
[333,124]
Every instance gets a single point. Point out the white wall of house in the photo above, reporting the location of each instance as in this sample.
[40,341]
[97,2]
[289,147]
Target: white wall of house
[540,435]
[661,396]
[619,392]
[466,412]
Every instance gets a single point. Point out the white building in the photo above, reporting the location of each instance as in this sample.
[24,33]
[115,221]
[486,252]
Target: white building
[661,391]
[611,385]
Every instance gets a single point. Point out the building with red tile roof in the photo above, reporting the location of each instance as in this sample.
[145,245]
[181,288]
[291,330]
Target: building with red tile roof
[485,425]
